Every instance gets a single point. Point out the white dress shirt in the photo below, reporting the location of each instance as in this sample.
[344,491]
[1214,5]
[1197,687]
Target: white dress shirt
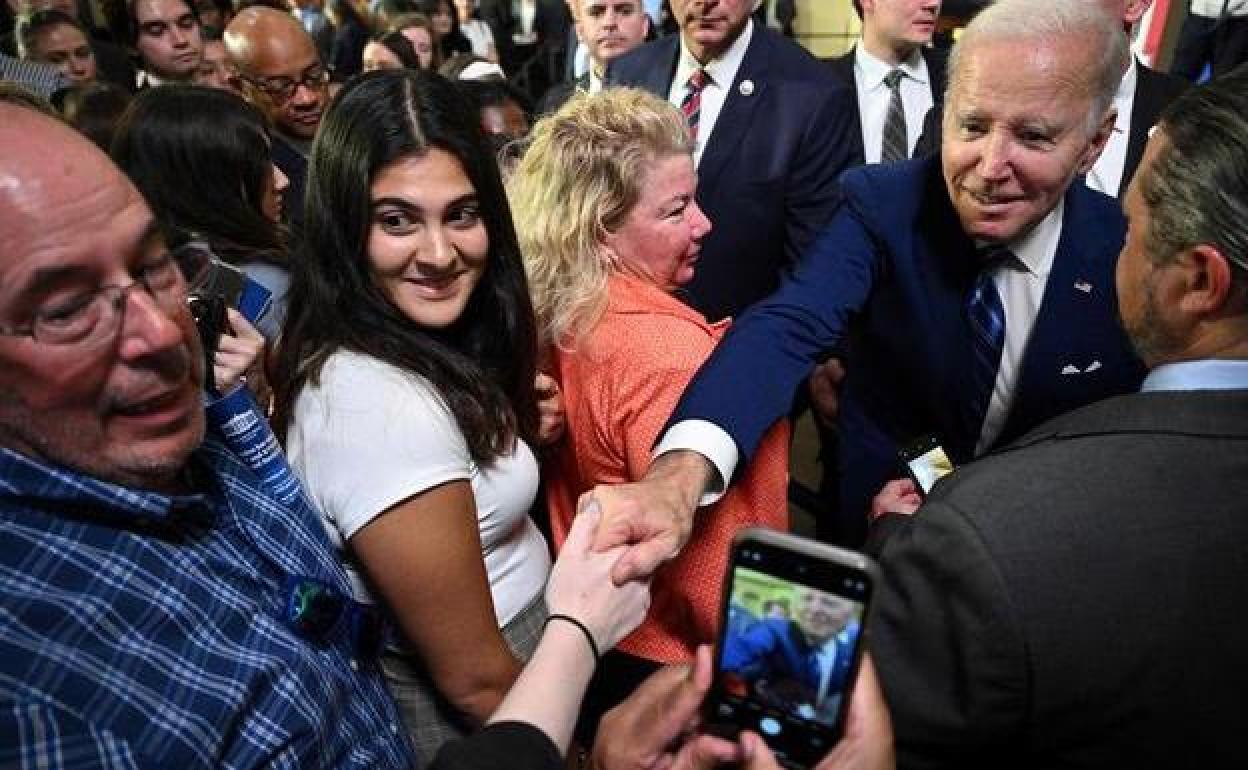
[722,72]
[1106,174]
[1213,9]
[524,12]
[874,97]
[1021,286]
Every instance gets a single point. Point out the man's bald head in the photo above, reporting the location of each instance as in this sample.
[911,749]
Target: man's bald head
[278,69]
[33,137]
[260,32]
[99,360]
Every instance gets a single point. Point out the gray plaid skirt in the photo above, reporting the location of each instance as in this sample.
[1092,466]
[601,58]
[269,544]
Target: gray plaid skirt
[431,720]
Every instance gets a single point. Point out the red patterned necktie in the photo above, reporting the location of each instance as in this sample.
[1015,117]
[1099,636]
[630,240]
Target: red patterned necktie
[692,104]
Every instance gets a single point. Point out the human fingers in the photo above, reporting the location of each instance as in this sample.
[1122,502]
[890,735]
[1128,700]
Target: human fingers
[868,740]
[241,327]
[639,731]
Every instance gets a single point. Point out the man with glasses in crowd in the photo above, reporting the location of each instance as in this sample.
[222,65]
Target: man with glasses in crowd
[278,69]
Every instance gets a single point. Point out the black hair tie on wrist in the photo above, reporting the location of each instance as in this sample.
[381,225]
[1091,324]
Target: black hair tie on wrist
[593,646]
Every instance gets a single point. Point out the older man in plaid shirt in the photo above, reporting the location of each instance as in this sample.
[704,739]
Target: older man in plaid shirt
[158,608]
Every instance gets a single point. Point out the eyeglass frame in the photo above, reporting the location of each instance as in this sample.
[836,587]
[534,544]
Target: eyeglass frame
[305,79]
[175,295]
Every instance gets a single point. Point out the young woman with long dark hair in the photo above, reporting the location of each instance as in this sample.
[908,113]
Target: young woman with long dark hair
[405,384]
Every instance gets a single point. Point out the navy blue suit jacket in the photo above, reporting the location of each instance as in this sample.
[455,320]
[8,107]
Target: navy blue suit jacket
[893,267]
[767,178]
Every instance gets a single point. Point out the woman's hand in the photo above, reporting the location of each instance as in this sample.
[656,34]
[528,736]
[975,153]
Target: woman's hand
[580,586]
[551,417]
[240,352]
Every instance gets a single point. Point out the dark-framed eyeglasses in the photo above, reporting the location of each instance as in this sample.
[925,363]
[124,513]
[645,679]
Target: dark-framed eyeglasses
[96,315]
[319,612]
[282,89]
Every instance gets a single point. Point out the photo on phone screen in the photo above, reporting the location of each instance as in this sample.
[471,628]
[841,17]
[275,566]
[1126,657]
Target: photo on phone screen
[926,462]
[790,643]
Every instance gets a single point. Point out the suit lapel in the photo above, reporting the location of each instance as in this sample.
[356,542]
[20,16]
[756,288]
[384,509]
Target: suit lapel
[1068,340]
[740,106]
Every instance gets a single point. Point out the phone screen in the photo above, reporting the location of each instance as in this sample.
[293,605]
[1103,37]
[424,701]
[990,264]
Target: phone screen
[927,468]
[789,649]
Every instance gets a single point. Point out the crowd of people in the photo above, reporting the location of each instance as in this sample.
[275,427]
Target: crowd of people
[379,390]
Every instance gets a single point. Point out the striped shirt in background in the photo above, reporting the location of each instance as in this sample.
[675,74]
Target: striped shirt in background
[40,79]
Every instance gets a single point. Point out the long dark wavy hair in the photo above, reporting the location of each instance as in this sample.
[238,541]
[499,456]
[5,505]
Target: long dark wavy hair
[484,364]
[201,158]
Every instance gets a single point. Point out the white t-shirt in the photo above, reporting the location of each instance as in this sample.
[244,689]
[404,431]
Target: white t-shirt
[479,35]
[369,435]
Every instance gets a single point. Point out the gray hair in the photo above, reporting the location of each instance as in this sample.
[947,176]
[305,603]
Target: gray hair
[1196,189]
[1051,20]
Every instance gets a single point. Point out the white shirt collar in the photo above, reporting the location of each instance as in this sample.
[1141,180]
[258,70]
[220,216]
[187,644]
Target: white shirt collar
[875,69]
[144,79]
[1125,96]
[722,69]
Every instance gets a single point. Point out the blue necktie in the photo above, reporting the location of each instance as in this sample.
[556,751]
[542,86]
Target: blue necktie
[986,316]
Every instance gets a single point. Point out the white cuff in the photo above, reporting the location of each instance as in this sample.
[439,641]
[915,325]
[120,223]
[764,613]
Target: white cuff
[712,442]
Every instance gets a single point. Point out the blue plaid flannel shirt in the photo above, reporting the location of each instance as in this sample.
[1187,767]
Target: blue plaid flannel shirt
[142,630]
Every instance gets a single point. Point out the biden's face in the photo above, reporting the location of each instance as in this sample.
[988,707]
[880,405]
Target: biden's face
[1016,132]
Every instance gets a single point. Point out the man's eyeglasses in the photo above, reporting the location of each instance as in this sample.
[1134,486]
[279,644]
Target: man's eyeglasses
[282,89]
[96,315]
[317,611]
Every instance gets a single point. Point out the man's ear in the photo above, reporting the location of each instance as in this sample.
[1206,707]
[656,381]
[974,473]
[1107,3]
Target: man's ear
[1208,281]
[1134,10]
[1097,143]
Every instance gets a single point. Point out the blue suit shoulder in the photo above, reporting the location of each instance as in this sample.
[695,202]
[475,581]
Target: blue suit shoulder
[1098,207]
[898,183]
[1094,215]
[891,193]
[656,58]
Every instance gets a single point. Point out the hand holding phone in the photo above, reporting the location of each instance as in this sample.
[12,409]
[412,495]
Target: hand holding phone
[790,642]
[927,462]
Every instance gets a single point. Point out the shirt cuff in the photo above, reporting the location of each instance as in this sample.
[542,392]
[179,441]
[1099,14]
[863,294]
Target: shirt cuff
[712,442]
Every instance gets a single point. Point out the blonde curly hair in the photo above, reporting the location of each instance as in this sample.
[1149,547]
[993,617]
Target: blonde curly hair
[581,175]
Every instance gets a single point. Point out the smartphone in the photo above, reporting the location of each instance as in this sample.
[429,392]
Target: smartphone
[926,462]
[209,314]
[218,288]
[790,642]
